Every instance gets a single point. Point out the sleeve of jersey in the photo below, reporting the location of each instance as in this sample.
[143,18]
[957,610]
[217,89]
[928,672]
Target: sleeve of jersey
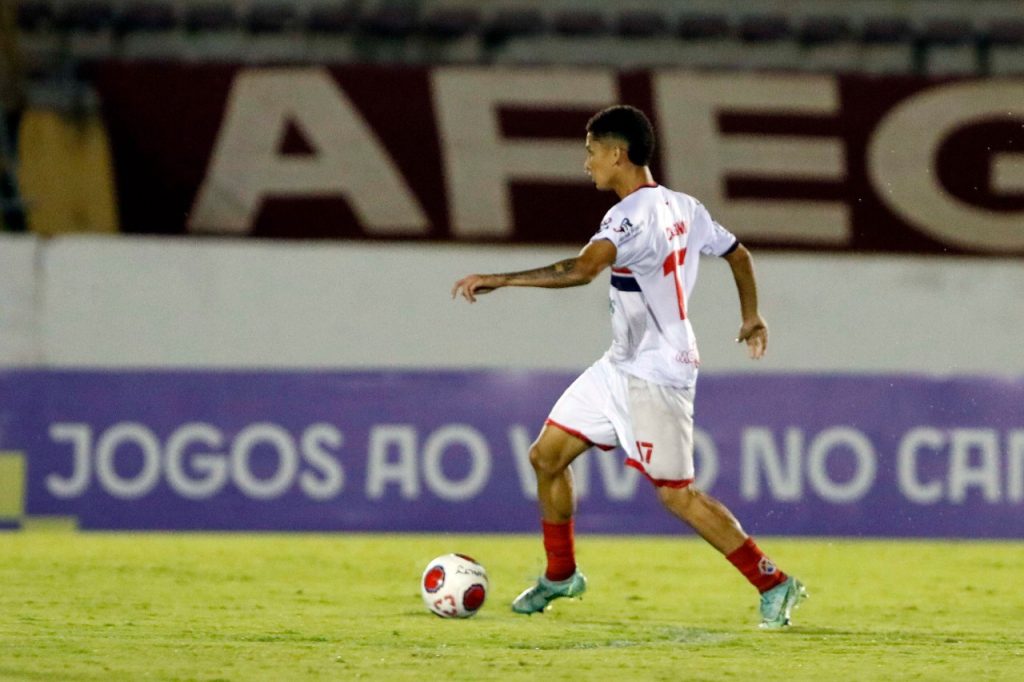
[620,230]
[715,239]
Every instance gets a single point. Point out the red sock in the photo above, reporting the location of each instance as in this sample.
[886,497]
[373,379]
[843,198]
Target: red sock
[558,544]
[756,567]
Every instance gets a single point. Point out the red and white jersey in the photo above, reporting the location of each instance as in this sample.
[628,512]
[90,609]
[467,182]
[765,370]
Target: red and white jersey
[659,235]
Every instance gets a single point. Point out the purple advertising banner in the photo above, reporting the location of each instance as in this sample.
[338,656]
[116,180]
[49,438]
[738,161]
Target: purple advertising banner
[447,451]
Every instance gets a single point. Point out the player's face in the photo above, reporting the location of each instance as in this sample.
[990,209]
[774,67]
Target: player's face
[602,161]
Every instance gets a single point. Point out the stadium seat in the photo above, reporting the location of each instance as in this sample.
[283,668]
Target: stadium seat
[89,16]
[886,30]
[211,17]
[393,19]
[522,36]
[213,33]
[400,34]
[948,47]
[447,35]
[638,38]
[88,25]
[768,43]
[146,17]
[274,34]
[507,24]
[642,24]
[329,32]
[887,45]
[704,41]
[1005,43]
[449,23]
[824,30]
[764,28]
[581,37]
[581,23]
[694,27]
[39,42]
[828,44]
[333,19]
[276,17]
[832,37]
[149,30]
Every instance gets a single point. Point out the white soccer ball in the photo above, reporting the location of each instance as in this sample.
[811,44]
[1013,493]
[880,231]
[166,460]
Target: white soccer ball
[454,586]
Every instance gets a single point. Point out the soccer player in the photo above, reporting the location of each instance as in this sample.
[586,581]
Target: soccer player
[639,395]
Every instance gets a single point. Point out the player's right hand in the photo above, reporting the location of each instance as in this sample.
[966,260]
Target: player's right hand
[471,285]
[755,333]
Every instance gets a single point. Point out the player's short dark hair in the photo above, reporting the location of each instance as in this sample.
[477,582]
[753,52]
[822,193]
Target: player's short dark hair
[630,125]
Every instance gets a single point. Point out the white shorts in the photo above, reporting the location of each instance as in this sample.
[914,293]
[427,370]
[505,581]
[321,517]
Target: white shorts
[653,424]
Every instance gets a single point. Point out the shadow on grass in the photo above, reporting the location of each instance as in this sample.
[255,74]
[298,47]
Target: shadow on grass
[891,636]
[618,636]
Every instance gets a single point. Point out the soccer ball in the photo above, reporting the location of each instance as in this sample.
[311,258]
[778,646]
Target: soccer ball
[454,586]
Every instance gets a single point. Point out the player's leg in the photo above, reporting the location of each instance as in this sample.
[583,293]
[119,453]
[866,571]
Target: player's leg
[662,419]
[710,518]
[550,455]
[713,521]
[576,423]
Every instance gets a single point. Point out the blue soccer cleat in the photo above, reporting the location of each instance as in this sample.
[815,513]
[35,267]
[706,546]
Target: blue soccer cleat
[778,603]
[538,597]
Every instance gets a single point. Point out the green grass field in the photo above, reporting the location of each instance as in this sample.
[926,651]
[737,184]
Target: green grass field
[82,606]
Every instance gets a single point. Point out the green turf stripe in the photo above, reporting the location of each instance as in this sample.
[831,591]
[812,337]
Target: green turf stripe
[50,524]
[12,485]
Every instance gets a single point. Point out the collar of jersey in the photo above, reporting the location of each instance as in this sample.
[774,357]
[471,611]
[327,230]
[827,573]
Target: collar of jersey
[646,185]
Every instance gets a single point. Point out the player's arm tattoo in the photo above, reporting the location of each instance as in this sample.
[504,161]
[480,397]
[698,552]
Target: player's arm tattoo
[564,273]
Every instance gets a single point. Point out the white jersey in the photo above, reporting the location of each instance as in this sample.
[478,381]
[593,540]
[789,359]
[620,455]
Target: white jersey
[659,235]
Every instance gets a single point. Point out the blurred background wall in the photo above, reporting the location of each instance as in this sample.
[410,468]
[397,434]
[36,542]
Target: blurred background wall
[150,302]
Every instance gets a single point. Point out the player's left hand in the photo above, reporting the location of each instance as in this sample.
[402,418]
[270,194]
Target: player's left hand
[755,333]
[472,285]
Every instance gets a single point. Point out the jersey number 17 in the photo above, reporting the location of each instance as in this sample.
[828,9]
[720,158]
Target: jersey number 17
[673,266]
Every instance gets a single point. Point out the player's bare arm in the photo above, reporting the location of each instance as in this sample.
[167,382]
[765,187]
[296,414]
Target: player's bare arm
[753,330]
[571,272]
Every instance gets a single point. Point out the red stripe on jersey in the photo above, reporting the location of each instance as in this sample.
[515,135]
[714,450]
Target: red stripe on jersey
[574,432]
[622,271]
[659,482]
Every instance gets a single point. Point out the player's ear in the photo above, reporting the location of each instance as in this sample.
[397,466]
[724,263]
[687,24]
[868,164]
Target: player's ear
[621,155]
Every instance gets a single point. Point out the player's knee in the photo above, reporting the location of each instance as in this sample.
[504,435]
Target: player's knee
[545,461]
[678,500]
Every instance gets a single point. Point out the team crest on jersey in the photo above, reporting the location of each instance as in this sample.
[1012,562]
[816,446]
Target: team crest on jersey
[624,226]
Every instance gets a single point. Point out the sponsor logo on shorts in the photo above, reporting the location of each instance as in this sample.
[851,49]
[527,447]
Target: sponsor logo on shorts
[689,357]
